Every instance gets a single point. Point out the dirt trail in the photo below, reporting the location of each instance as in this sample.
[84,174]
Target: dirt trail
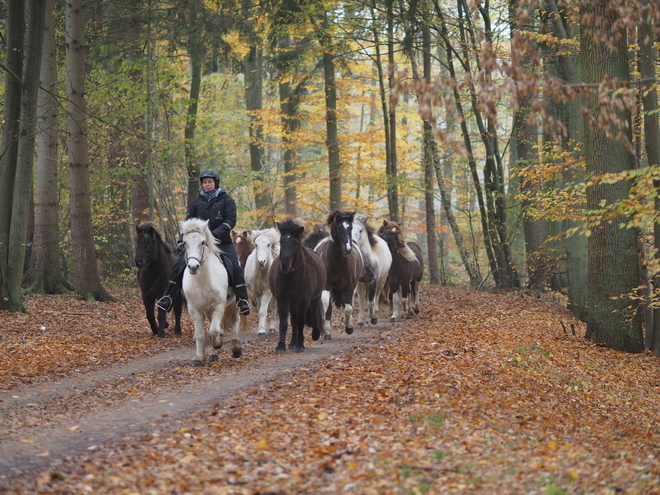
[45,423]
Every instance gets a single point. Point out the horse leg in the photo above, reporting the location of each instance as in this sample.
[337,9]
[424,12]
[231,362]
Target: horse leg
[232,319]
[178,309]
[274,317]
[347,297]
[200,337]
[405,292]
[372,295]
[264,301]
[162,322]
[297,333]
[362,302]
[283,312]
[415,296]
[395,302]
[327,309]
[215,330]
[149,307]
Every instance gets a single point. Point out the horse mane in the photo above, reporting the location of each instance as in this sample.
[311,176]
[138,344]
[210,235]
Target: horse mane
[371,232]
[147,226]
[272,234]
[201,226]
[401,244]
[292,226]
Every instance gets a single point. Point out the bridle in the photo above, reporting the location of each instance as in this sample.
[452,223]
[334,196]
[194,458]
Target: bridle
[201,259]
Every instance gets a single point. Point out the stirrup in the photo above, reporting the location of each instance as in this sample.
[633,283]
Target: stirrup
[244,306]
[164,303]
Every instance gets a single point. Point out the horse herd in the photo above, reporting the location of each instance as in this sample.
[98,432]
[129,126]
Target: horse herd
[293,278]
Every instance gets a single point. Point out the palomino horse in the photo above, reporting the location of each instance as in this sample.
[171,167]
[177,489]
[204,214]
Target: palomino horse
[257,266]
[206,288]
[343,266]
[154,260]
[377,260]
[297,279]
[243,245]
[406,271]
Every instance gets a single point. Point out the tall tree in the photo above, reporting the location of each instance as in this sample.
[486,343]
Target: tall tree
[647,60]
[44,273]
[195,52]
[85,277]
[253,72]
[613,259]
[15,38]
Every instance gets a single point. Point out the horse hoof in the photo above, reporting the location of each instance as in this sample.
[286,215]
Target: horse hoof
[392,319]
[237,353]
[327,337]
[261,334]
[177,331]
[416,311]
[300,349]
[349,331]
[360,325]
[316,334]
[281,349]
[374,321]
[196,363]
[213,358]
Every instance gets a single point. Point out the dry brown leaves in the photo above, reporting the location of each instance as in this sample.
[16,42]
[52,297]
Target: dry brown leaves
[481,393]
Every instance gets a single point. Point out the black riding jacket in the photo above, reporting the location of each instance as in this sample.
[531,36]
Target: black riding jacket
[220,211]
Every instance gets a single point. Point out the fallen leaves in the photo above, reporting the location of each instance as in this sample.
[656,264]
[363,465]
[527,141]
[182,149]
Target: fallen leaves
[480,393]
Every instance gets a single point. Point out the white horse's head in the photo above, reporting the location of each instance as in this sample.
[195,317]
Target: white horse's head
[199,243]
[266,246]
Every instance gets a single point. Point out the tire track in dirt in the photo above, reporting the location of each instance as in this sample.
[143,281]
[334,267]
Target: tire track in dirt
[46,423]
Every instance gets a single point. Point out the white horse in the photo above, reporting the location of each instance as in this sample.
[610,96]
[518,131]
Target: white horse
[206,288]
[266,249]
[377,261]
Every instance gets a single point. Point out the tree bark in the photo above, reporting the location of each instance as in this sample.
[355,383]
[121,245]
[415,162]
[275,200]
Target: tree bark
[613,264]
[15,39]
[44,274]
[195,53]
[86,279]
[332,137]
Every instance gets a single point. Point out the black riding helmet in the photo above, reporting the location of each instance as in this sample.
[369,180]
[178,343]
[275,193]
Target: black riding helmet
[210,174]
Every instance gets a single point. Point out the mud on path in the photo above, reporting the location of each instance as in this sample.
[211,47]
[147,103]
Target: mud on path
[47,422]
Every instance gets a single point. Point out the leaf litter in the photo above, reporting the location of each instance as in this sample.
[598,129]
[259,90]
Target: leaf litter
[480,392]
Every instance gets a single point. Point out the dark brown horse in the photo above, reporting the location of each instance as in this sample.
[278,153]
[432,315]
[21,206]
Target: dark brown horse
[406,271]
[297,279]
[343,267]
[154,260]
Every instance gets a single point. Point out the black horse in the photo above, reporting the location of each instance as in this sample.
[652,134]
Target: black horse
[154,260]
[405,273]
[343,266]
[296,279]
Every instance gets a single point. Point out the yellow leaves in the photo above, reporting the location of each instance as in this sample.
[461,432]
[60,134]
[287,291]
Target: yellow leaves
[322,416]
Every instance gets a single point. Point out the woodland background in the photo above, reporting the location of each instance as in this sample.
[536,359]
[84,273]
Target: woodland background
[518,141]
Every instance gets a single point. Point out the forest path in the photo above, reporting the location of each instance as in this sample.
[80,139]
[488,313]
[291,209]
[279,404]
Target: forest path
[45,423]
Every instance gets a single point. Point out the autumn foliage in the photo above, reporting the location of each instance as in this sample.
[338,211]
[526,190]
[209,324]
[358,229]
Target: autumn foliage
[480,393]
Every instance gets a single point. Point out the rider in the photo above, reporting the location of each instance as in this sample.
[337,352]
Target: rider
[214,204]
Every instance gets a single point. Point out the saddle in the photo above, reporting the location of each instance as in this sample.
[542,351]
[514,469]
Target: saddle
[229,266]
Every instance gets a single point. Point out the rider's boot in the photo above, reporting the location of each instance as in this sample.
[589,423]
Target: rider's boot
[242,299]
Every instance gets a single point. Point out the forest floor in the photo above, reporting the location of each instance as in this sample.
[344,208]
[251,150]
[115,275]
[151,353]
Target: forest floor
[479,393]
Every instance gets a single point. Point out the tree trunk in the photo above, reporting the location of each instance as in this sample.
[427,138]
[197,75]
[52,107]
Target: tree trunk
[20,210]
[429,164]
[647,59]
[15,37]
[613,264]
[44,273]
[195,53]
[332,137]
[253,74]
[289,103]
[85,274]
[392,172]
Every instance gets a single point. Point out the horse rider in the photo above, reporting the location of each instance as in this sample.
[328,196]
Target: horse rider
[214,204]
